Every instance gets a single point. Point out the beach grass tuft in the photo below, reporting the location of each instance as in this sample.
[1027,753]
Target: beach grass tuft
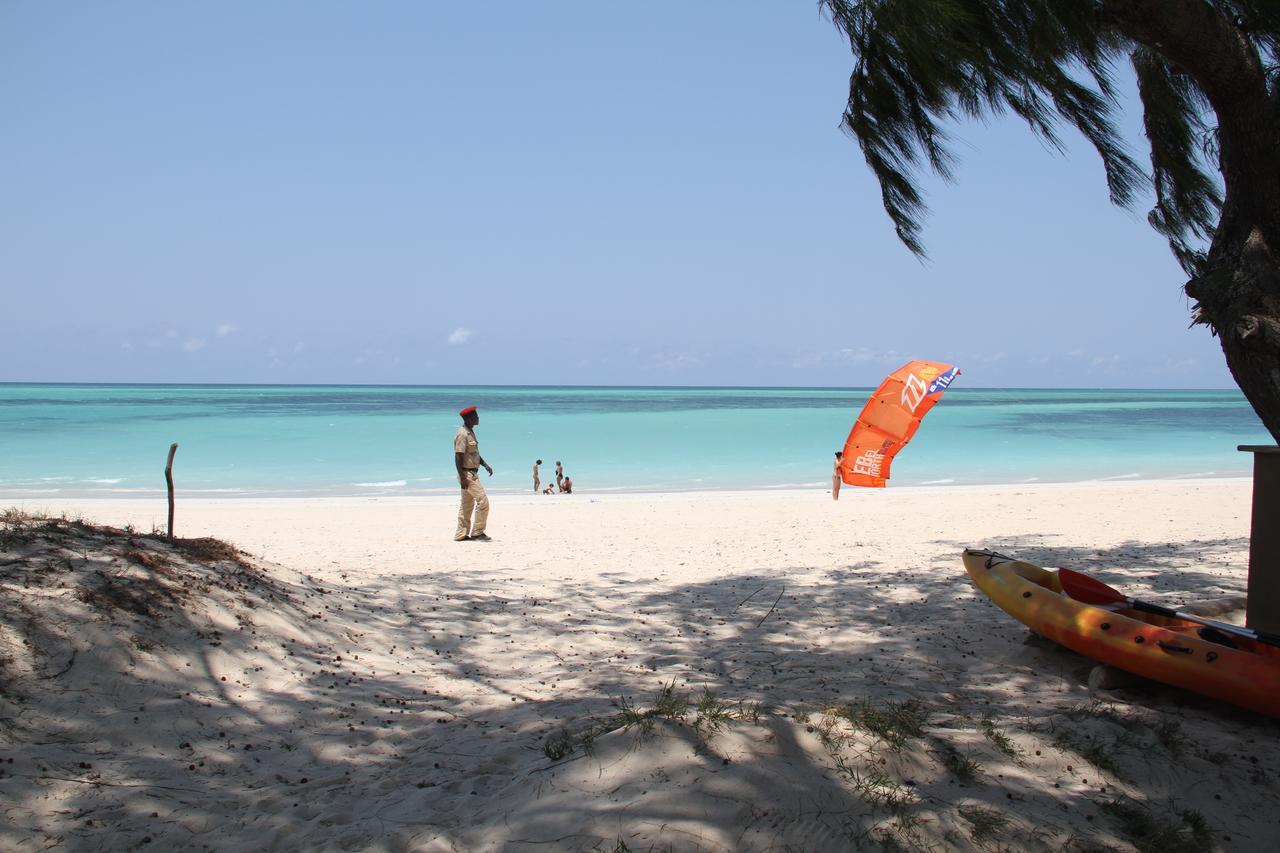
[1171,735]
[711,715]
[667,706]
[963,767]
[999,739]
[750,711]
[1185,831]
[1089,747]
[984,823]
[894,723]
[877,788]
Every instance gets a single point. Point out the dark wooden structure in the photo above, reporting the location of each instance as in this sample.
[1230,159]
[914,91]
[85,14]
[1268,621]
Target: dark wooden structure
[1263,612]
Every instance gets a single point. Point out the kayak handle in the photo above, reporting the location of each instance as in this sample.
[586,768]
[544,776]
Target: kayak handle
[1170,647]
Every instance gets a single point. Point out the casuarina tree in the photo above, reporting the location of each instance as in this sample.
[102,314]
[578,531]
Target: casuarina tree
[1209,88]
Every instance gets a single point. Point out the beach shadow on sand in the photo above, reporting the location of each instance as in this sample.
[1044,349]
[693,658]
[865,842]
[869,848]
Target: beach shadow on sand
[865,706]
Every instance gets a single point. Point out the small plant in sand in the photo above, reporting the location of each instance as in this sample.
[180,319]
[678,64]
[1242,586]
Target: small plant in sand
[894,723]
[750,711]
[876,787]
[143,644]
[902,833]
[1090,748]
[985,824]
[1171,735]
[1101,733]
[999,739]
[801,713]
[1097,710]
[667,706]
[827,732]
[963,767]
[15,527]
[1185,831]
[711,714]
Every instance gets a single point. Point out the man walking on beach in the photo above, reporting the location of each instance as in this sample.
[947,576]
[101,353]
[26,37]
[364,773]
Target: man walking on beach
[467,459]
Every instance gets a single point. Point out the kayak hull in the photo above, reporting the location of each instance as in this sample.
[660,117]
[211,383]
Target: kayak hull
[1163,649]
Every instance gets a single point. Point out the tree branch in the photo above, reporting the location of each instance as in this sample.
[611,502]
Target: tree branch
[1213,51]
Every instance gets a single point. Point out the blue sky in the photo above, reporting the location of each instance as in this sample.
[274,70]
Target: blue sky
[530,193]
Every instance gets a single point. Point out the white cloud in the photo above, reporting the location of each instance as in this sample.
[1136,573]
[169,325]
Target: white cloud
[848,355]
[193,344]
[982,358]
[224,329]
[459,336]
[676,360]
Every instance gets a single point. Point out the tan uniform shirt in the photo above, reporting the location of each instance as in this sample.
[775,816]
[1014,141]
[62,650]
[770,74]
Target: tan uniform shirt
[464,442]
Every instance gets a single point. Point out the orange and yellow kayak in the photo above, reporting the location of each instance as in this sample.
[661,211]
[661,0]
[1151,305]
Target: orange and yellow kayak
[1236,669]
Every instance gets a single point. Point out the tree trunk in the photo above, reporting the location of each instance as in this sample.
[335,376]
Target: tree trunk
[1238,296]
[1237,292]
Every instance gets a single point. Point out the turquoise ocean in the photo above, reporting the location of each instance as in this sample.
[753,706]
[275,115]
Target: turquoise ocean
[253,440]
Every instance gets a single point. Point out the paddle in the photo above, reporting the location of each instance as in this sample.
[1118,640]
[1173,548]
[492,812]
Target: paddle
[1081,587]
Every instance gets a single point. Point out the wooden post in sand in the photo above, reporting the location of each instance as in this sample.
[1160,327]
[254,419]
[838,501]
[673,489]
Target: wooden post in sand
[168,479]
[1263,610]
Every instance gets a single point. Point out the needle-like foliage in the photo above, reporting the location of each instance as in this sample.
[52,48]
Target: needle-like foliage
[921,64]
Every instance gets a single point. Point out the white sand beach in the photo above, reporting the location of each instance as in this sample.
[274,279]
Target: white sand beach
[365,683]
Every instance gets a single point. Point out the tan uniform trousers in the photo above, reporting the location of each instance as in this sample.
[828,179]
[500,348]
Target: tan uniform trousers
[473,498]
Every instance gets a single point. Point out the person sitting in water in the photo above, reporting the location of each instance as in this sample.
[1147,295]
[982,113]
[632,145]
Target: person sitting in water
[550,489]
[567,486]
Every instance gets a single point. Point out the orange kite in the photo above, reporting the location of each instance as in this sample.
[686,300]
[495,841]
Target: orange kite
[890,418]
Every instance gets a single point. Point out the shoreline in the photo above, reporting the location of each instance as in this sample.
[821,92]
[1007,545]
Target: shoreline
[218,495]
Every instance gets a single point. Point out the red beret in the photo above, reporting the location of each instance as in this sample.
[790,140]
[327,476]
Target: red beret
[469,410]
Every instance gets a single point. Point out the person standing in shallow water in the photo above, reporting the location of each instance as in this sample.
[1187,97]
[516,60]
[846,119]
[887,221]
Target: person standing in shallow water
[467,459]
[559,476]
[835,478]
[536,482]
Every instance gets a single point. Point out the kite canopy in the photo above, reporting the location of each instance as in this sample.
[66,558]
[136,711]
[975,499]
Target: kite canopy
[890,418]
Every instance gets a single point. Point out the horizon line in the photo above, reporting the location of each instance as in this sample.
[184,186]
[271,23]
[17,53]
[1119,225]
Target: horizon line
[172,384]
